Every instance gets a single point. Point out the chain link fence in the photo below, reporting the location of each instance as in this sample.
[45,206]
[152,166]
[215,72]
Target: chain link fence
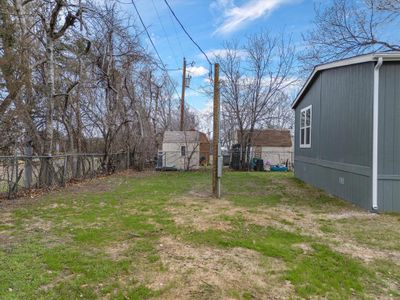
[22,173]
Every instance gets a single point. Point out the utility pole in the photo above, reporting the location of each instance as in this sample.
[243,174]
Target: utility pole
[217,161]
[182,128]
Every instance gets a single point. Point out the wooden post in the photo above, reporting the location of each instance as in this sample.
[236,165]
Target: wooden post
[182,124]
[216,150]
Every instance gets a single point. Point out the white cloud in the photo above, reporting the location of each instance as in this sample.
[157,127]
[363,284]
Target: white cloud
[235,17]
[197,71]
[217,5]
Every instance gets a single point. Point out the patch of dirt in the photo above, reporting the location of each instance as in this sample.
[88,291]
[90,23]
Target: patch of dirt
[200,194]
[6,240]
[283,217]
[45,228]
[62,278]
[96,185]
[202,213]
[6,219]
[38,224]
[206,213]
[309,224]
[55,206]
[347,214]
[117,251]
[364,253]
[210,273]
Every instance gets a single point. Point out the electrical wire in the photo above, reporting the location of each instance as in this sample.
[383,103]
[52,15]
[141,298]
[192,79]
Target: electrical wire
[200,92]
[164,68]
[148,35]
[186,32]
[165,33]
[176,33]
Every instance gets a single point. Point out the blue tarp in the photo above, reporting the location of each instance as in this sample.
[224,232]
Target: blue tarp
[279,168]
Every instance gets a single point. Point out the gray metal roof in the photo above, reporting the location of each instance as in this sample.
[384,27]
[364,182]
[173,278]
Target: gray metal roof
[387,56]
[181,137]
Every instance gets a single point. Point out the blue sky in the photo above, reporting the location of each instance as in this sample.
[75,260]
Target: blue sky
[211,22]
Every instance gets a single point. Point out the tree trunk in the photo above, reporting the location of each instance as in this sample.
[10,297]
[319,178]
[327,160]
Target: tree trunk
[48,149]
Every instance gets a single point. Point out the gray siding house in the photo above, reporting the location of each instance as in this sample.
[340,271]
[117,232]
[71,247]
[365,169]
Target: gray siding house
[347,137]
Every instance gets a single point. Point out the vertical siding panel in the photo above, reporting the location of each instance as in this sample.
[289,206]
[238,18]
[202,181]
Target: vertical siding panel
[381,195]
[388,195]
[344,135]
[396,196]
[396,131]
[389,136]
[389,122]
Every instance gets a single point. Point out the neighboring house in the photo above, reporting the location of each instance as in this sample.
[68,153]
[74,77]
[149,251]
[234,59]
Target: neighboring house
[274,146]
[185,150]
[347,138]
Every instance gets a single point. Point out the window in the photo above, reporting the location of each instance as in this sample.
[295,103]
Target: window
[183,150]
[305,127]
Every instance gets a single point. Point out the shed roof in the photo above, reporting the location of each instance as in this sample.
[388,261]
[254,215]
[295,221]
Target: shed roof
[387,56]
[190,136]
[270,138]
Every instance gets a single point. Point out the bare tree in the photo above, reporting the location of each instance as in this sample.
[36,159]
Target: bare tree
[92,87]
[254,80]
[344,28]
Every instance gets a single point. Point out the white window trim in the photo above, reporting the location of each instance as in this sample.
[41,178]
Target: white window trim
[306,146]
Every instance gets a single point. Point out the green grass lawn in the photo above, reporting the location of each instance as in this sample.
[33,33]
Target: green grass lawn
[161,235]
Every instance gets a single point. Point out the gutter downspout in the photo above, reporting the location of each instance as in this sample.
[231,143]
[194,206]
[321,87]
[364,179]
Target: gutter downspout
[375,134]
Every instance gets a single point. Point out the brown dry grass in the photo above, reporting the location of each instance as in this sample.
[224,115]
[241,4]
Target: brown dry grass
[210,273]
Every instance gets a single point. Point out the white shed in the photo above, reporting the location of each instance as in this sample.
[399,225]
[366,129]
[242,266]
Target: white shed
[273,146]
[181,149]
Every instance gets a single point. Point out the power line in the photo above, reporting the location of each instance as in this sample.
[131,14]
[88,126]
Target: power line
[200,92]
[187,33]
[176,33]
[164,68]
[148,34]
[165,32]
